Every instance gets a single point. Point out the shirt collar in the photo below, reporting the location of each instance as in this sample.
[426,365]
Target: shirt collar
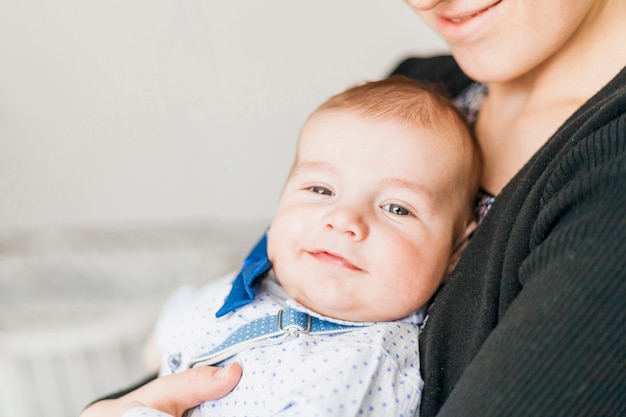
[246,283]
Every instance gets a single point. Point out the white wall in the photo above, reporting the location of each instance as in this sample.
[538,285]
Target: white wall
[125,111]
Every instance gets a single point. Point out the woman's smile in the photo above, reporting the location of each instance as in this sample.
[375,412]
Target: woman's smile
[461,25]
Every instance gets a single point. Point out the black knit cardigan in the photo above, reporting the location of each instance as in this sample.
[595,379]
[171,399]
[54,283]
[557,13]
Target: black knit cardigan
[531,322]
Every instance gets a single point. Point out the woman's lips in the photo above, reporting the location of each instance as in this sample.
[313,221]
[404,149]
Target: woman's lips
[333,259]
[463,16]
[459,25]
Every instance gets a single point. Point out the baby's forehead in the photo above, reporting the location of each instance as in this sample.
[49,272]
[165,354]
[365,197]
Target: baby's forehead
[451,136]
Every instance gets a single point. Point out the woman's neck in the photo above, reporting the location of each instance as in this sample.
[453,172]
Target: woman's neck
[518,116]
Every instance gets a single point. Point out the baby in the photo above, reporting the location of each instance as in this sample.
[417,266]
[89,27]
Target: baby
[324,315]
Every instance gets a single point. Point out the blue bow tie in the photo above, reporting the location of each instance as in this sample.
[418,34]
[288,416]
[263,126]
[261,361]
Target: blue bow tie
[245,285]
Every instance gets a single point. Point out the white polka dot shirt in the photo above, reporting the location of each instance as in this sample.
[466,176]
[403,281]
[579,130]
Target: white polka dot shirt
[368,371]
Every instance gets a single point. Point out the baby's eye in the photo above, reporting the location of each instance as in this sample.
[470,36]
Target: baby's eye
[396,209]
[321,190]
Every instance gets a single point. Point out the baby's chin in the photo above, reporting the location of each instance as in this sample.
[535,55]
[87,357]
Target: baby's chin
[353,314]
[332,304]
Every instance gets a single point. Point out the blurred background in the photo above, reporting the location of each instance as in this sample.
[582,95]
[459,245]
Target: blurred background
[143,146]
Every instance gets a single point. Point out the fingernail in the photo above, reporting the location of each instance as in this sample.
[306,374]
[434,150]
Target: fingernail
[221,373]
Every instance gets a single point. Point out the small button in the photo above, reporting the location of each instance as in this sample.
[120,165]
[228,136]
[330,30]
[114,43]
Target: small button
[174,361]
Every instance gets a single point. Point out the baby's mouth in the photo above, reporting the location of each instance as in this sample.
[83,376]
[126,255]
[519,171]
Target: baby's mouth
[334,259]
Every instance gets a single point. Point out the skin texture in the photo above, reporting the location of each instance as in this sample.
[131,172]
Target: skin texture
[540,61]
[503,40]
[367,227]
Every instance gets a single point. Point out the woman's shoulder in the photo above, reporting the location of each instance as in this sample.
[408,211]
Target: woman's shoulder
[603,108]
[590,144]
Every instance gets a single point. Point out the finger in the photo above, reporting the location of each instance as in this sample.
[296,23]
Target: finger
[176,393]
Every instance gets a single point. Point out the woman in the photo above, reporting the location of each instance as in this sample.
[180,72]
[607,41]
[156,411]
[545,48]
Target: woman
[531,321]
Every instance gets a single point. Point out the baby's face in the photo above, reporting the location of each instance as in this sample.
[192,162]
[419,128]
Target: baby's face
[365,226]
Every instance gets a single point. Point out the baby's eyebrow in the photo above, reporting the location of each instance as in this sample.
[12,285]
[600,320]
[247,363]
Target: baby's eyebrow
[415,187]
[312,166]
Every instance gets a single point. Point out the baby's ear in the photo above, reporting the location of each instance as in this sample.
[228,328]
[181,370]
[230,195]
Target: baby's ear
[459,245]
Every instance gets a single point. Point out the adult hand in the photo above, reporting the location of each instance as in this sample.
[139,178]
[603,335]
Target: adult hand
[172,394]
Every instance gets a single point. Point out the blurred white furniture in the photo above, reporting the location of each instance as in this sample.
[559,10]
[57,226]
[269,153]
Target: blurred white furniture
[76,305]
